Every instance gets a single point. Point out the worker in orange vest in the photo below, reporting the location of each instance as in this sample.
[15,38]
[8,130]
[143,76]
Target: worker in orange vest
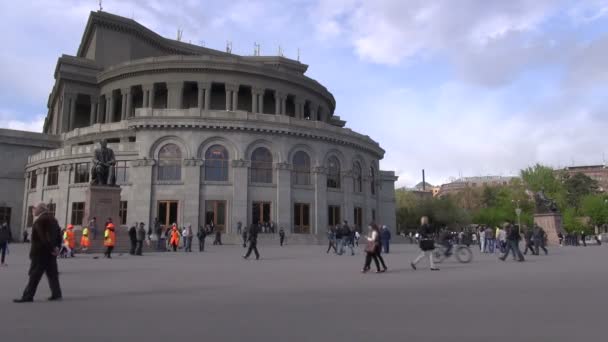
[174,242]
[84,240]
[69,240]
[109,239]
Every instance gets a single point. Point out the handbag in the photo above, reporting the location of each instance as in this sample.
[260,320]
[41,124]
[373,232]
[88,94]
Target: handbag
[427,245]
[370,247]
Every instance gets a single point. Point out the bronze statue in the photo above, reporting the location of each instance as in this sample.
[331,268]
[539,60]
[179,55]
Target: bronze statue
[543,203]
[102,172]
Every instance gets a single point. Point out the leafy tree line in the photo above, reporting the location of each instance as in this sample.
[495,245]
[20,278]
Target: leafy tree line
[576,196]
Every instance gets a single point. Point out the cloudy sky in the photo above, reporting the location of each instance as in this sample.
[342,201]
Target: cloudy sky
[457,87]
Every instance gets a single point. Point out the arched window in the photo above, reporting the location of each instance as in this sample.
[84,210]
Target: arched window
[333,173]
[357,178]
[170,163]
[216,163]
[301,168]
[372,182]
[261,166]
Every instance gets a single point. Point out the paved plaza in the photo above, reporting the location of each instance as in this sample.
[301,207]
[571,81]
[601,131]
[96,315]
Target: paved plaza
[300,293]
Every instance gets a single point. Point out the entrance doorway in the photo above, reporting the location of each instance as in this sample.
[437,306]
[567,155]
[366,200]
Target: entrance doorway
[358,219]
[215,212]
[301,218]
[167,212]
[260,212]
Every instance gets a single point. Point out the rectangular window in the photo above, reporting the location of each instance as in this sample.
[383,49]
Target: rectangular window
[5,215]
[77,213]
[301,218]
[33,180]
[122,212]
[52,177]
[215,211]
[81,173]
[122,172]
[333,215]
[30,216]
[167,212]
[260,212]
[52,208]
[358,218]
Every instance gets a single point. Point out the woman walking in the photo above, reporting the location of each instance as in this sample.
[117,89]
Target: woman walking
[427,244]
[372,251]
[174,242]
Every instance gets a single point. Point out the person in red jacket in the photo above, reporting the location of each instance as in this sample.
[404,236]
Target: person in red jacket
[109,240]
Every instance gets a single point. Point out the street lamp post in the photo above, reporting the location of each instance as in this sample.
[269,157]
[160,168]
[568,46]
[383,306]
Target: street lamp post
[518,213]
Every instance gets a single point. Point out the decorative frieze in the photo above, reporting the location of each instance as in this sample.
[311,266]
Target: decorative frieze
[282,166]
[319,169]
[143,162]
[240,163]
[192,162]
[65,167]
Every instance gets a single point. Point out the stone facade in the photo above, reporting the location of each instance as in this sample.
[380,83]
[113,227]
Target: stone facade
[202,135]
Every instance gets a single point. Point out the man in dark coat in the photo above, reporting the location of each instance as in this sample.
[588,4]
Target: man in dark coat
[513,238]
[539,236]
[141,237]
[253,242]
[5,237]
[528,240]
[201,235]
[281,236]
[133,238]
[46,240]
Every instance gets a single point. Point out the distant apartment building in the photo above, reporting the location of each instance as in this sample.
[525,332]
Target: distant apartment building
[598,173]
[472,182]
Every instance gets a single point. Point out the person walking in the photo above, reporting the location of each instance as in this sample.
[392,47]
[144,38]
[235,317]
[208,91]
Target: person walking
[347,238]
[158,230]
[201,234]
[338,233]
[331,237]
[93,227]
[5,236]
[426,244]
[109,240]
[373,250]
[560,238]
[133,238]
[174,241]
[528,242]
[46,240]
[482,239]
[513,238]
[239,227]
[70,239]
[539,236]
[187,235]
[385,238]
[244,235]
[253,242]
[584,238]
[141,237]
[84,240]
[281,236]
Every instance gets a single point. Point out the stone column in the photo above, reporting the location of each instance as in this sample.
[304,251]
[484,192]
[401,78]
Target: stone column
[228,98]
[240,196]
[109,107]
[235,99]
[200,97]
[93,117]
[277,102]
[62,201]
[284,105]
[147,90]
[26,200]
[101,114]
[232,96]
[299,108]
[320,205]
[313,111]
[261,101]
[175,91]
[142,208]
[254,100]
[282,215]
[207,87]
[347,188]
[129,104]
[192,177]
[123,104]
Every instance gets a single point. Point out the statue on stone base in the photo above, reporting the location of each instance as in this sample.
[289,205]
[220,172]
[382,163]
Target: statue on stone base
[544,204]
[102,172]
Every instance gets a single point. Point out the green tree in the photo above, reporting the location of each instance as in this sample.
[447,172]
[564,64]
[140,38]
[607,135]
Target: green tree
[540,177]
[578,186]
[596,208]
[572,222]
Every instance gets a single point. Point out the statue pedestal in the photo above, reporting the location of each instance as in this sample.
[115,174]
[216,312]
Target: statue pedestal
[552,224]
[102,202]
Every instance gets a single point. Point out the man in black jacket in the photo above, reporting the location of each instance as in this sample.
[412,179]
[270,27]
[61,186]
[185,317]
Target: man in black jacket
[46,240]
[513,238]
[528,240]
[253,242]
[133,238]
[5,238]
